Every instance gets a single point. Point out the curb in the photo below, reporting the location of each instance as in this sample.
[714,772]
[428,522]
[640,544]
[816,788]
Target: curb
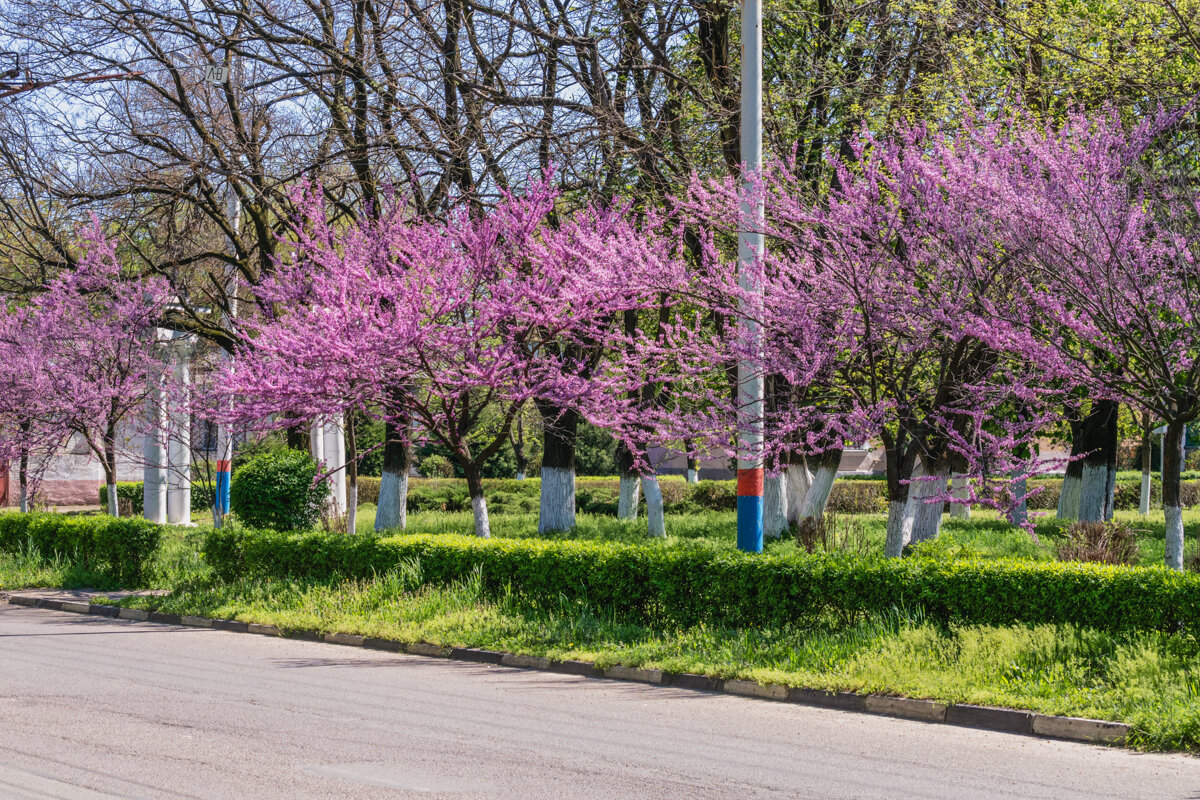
[1004,720]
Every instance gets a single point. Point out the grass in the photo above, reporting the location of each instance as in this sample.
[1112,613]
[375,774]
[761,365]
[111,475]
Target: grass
[1149,680]
[28,568]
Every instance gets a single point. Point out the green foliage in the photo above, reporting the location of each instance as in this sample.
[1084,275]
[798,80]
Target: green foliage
[595,451]
[278,489]
[119,548]
[691,585]
[436,466]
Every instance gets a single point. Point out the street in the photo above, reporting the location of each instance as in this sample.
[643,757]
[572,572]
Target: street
[103,708]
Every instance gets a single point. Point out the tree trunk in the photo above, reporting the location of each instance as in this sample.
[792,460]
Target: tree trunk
[518,446]
[900,468]
[1086,486]
[392,511]
[1172,467]
[110,472]
[799,481]
[959,489]
[351,476]
[23,479]
[556,508]
[693,463]
[656,523]
[926,514]
[1147,468]
[627,500]
[775,507]
[1020,510]
[483,528]
[818,493]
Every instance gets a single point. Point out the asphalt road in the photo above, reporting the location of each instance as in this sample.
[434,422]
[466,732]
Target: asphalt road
[96,708]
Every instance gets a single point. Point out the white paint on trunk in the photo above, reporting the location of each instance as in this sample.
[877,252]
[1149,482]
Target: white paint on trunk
[655,518]
[179,441]
[483,528]
[959,489]
[556,506]
[352,512]
[1068,498]
[1093,493]
[818,493]
[799,482]
[391,514]
[627,501]
[154,457]
[1174,519]
[1020,490]
[894,545]
[1144,499]
[925,516]
[775,508]
[521,475]
[693,475]
[1110,492]
[114,508]
[23,503]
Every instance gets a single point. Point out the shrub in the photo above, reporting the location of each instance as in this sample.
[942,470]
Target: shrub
[436,466]
[831,533]
[278,489]
[858,497]
[1099,542]
[119,547]
[686,586]
[368,491]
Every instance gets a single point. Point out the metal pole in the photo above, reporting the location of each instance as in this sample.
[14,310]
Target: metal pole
[750,249]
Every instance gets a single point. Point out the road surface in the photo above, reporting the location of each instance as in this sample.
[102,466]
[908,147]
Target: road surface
[95,708]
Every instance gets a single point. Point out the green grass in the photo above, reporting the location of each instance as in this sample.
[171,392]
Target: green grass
[29,568]
[1149,680]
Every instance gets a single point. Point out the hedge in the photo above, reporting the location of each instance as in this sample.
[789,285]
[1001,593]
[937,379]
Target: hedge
[131,491]
[119,547]
[686,586]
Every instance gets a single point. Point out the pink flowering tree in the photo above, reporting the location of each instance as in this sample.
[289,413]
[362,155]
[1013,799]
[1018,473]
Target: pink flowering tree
[86,345]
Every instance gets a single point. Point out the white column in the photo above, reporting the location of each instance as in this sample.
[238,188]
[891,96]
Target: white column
[179,439]
[335,461]
[154,450]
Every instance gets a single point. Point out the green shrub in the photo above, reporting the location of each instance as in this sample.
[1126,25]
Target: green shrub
[118,547]
[368,491]
[436,466]
[857,497]
[686,586]
[278,489]
[1100,542]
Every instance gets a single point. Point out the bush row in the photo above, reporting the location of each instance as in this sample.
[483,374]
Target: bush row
[686,586]
[119,547]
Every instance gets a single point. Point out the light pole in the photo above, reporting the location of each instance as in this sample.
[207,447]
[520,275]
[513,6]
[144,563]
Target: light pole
[750,250]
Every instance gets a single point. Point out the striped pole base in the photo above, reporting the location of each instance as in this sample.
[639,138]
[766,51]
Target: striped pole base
[750,510]
[222,487]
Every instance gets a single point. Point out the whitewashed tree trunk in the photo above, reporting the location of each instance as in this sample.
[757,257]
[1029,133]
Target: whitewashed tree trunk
[798,480]
[693,475]
[656,522]
[818,493]
[557,505]
[627,500]
[1173,444]
[1093,492]
[896,529]
[335,462]
[1068,498]
[521,475]
[775,518]
[114,508]
[483,528]
[179,441]
[352,509]
[925,517]
[959,489]
[154,455]
[392,511]
[1020,490]
[1144,497]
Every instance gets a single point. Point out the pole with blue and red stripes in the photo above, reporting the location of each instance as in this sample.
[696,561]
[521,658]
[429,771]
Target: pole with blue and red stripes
[750,252]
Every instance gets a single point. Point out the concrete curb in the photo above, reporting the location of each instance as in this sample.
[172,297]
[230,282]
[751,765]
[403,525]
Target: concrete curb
[1005,720]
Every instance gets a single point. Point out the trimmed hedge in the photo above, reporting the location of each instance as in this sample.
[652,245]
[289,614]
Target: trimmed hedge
[119,547]
[686,586]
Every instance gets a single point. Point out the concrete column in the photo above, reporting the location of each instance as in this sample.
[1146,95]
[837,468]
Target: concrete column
[179,439]
[335,461]
[154,450]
